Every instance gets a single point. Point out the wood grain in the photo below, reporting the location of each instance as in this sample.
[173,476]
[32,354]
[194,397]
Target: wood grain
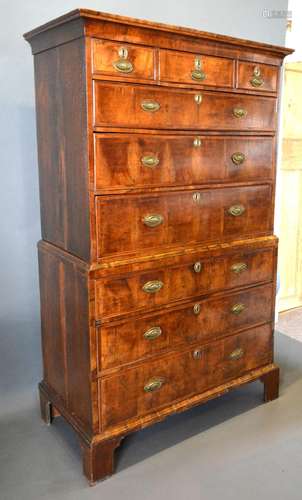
[119,160]
[123,294]
[184,220]
[123,342]
[121,106]
[106,163]
[182,375]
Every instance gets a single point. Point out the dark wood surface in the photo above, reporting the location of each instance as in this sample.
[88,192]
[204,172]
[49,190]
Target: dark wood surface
[123,294]
[269,74]
[122,107]
[66,341]
[185,220]
[118,357]
[127,341]
[179,160]
[182,375]
[62,147]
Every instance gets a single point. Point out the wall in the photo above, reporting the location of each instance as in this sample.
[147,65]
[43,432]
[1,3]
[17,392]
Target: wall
[20,366]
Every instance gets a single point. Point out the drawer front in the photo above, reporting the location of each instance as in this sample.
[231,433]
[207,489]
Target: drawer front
[183,67]
[156,384]
[179,218]
[135,339]
[141,160]
[123,294]
[142,107]
[123,60]
[257,76]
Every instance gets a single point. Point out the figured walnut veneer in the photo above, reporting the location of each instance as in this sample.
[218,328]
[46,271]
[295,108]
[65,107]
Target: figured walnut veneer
[157,149]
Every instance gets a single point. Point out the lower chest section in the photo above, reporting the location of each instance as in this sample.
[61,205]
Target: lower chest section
[152,386]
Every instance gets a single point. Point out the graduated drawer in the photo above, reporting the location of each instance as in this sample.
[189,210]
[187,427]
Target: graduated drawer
[135,106]
[253,76]
[156,384]
[184,67]
[141,160]
[201,321]
[134,223]
[120,59]
[147,290]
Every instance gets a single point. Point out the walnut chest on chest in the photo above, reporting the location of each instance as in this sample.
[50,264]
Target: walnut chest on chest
[157,151]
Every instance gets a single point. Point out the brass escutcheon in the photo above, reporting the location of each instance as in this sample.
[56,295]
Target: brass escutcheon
[123,65]
[239,267]
[236,210]
[153,333]
[237,308]
[198,98]
[153,286]
[197,73]
[236,354]
[197,142]
[256,80]
[196,197]
[197,354]
[154,384]
[150,161]
[238,158]
[197,267]
[196,309]
[153,220]
[150,106]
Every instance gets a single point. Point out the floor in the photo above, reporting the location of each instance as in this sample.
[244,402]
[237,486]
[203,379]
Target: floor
[233,448]
[290,323]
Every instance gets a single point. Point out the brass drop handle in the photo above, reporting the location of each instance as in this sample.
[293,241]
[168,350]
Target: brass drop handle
[153,333]
[239,267]
[256,80]
[123,65]
[198,98]
[150,161]
[197,354]
[153,220]
[198,73]
[196,309]
[237,308]
[239,112]
[197,267]
[197,142]
[153,286]
[238,158]
[154,384]
[236,354]
[236,210]
[150,106]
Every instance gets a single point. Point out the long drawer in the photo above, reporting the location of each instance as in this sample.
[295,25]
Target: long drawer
[147,290]
[159,383]
[130,340]
[135,106]
[144,160]
[134,223]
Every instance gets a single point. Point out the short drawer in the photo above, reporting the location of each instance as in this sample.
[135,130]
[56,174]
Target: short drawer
[142,160]
[156,384]
[253,76]
[148,107]
[123,60]
[140,223]
[201,321]
[147,290]
[183,67]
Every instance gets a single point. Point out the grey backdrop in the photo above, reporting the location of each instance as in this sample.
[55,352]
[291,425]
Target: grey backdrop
[20,360]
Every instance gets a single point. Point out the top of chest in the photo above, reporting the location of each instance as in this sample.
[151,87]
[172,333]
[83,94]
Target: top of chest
[149,52]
